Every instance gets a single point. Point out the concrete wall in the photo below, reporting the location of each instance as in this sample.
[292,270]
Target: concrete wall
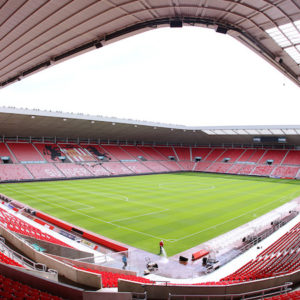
[79,276]
[106,296]
[162,292]
[59,250]
[46,285]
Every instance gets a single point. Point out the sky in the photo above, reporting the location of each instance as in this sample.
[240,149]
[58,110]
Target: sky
[186,76]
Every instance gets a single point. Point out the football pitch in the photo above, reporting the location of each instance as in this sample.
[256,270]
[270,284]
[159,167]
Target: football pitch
[183,209]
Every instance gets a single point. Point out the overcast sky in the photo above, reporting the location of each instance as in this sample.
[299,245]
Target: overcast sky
[189,76]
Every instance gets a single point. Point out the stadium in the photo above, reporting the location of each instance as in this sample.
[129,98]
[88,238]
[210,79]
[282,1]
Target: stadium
[106,208]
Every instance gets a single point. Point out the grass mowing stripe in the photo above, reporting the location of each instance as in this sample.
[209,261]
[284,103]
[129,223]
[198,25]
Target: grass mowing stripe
[184,209]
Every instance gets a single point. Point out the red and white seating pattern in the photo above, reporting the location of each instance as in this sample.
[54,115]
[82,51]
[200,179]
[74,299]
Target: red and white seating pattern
[73,170]
[25,152]
[43,171]
[17,225]
[75,153]
[5,152]
[14,172]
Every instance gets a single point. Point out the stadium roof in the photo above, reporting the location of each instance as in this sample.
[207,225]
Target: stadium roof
[36,34]
[26,123]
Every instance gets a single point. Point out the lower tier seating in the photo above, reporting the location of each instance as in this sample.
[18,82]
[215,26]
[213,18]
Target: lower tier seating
[187,165]
[110,280]
[11,289]
[13,172]
[116,168]
[202,166]
[96,169]
[6,260]
[288,296]
[137,167]
[171,165]
[155,166]
[42,171]
[73,170]
[282,257]
[262,170]
[285,171]
[19,226]
[219,167]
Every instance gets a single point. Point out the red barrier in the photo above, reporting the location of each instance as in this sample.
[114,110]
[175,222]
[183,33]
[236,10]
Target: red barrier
[199,254]
[88,236]
[54,221]
[103,242]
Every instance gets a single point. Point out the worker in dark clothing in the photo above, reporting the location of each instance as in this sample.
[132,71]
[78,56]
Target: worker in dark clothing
[161,245]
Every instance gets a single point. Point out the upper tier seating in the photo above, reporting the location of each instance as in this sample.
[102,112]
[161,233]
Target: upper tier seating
[96,169]
[246,155]
[166,152]
[117,152]
[282,257]
[25,152]
[137,167]
[183,153]
[219,167]
[285,171]
[17,225]
[276,155]
[75,153]
[110,280]
[214,154]
[73,170]
[155,166]
[135,152]
[153,154]
[5,152]
[200,152]
[116,168]
[187,165]
[96,151]
[263,170]
[232,154]
[292,158]
[256,156]
[42,171]
[13,172]
[11,289]
[51,152]
[288,296]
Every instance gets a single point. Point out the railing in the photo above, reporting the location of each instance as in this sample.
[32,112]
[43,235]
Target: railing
[259,294]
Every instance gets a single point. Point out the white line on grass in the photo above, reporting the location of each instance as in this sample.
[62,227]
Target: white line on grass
[139,216]
[91,217]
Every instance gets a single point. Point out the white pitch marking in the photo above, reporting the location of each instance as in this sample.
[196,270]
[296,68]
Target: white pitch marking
[138,216]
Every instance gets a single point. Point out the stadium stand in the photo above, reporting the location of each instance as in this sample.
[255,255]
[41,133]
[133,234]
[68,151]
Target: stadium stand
[246,169]
[285,171]
[73,170]
[263,170]
[200,152]
[231,154]
[136,167]
[292,158]
[4,151]
[166,152]
[96,169]
[19,226]
[7,260]
[117,152]
[75,153]
[183,153]
[235,168]
[43,171]
[154,155]
[116,168]
[187,165]
[14,172]
[276,155]
[135,152]
[11,289]
[214,154]
[219,167]
[256,156]
[287,296]
[155,166]
[25,152]
[202,166]
[96,151]
[282,257]
[110,279]
[246,155]
[51,152]
[171,165]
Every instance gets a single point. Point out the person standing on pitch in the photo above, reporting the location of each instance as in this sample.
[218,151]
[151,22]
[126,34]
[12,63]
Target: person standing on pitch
[161,245]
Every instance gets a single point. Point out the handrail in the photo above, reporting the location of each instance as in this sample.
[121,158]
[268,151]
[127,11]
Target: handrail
[258,294]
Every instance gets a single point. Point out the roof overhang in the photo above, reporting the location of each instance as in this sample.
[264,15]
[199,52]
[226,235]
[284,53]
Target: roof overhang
[43,124]
[37,34]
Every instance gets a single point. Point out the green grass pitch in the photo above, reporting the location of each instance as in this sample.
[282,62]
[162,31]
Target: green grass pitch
[183,209]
